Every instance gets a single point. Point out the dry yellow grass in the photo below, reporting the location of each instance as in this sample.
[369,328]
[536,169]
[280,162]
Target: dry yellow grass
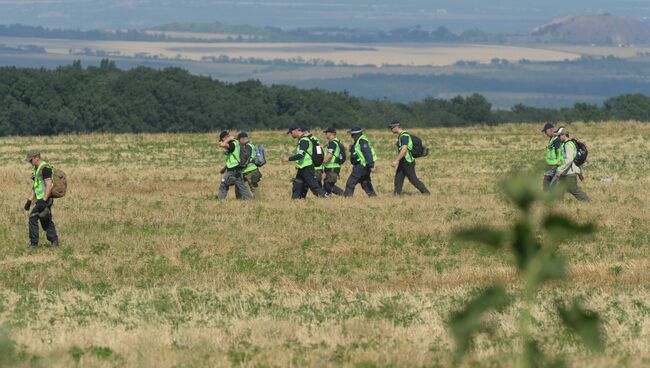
[353,54]
[161,274]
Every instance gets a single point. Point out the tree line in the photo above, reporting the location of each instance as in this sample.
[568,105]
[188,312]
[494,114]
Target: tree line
[104,98]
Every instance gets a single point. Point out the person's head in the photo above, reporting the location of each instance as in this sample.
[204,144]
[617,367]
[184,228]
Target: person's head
[242,137]
[355,133]
[330,133]
[305,130]
[549,129]
[395,127]
[34,158]
[296,132]
[563,134]
[225,136]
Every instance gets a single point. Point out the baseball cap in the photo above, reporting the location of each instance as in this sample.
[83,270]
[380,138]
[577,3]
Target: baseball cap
[562,131]
[355,130]
[292,128]
[548,126]
[31,155]
[393,124]
[242,135]
[223,134]
[330,130]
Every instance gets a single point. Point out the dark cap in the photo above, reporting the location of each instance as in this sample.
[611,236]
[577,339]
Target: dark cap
[292,128]
[242,135]
[355,130]
[305,128]
[393,124]
[31,155]
[547,126]
[223,134]
[330,130]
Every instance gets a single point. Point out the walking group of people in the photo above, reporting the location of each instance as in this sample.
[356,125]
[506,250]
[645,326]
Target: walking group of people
[316,171]
[318,167]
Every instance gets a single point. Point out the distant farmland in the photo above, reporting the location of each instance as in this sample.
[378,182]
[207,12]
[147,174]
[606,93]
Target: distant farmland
[340,53]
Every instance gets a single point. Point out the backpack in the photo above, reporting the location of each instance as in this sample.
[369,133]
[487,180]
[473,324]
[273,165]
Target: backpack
[342,154]
[59,183]
[317,155]
[260,157]
[419,150]
[581,152]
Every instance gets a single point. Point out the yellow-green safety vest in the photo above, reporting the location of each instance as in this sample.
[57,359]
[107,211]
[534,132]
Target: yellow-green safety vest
[39,182]
[232,158]
[251,166]
[306,158]
[552,157]
[333,162]
[357,151]
[409,152]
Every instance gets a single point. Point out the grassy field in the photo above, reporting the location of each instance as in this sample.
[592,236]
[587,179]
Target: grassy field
[155,272]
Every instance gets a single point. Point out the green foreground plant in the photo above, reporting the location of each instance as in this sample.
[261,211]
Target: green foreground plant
[535,249]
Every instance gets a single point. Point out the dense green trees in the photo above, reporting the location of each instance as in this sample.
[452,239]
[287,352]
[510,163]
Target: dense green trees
[106,99]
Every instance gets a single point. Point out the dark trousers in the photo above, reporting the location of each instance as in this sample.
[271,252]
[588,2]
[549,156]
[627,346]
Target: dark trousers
[319,178]
[549,174]
[306,179]
[407,170]
[358,175]
[47,224]
[329,182]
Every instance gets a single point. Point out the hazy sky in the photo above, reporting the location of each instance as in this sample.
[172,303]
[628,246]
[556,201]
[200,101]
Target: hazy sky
[506,16]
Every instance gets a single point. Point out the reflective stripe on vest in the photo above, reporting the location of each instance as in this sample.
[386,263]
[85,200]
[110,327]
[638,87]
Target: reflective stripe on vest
[333,163]
[251,166]
[39,182]
[553,157]
[232,158]
[306,158]
[409,152]
[357,151]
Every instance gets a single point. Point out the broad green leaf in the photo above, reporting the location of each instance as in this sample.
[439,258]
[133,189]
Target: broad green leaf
[523,189]
[483,235]
[465,323]
[583,323]
[561,227]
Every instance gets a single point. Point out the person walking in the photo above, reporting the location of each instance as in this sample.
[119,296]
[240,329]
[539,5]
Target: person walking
[252,174]
[568,172]
[404,163]
[553,154]
[332,163]
[305,173]
[362,158]
[232,171]
[40,196]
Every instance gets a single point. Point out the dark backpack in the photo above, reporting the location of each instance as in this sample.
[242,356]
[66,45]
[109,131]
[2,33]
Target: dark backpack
[342,154]
[581,152]
[419,150]
[317,155]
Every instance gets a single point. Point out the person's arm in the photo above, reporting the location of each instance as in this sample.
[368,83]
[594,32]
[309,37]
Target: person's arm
[48,189]
[225,144]
[569,153]
[331,147]
[302,151]
[30,200]
[400,155]
[367,153]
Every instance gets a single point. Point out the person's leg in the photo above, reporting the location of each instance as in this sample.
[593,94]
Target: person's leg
[409,171]
[353,180]
[297,188]
[241,186]
[33,229]
[548,178]
[366,183]
[253,180]
[50,229]
[223,186]
[399,179]
[333,178]
[574,189]
[312,181]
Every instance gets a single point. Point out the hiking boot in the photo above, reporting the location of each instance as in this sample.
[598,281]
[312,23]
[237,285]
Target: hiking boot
[54,244]
[32,247]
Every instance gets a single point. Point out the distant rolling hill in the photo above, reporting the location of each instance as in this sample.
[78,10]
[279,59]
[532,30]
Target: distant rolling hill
[599,29]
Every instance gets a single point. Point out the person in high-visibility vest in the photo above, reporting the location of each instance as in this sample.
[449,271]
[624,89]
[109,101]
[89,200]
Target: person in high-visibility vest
[320,169]
[362,158]
[568,172]
[332,163]
[40,197]
[305,173]
[552,156]
[252,174]
[232,172]
[404,163]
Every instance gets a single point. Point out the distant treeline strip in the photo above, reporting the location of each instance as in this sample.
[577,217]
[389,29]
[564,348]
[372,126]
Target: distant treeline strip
[106,99]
